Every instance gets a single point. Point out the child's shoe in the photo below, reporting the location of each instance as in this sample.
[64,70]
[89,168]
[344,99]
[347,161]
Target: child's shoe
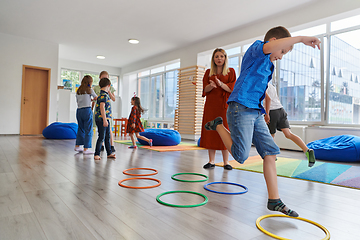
[78,149]
[133,146]
[211,125]
[113,149]
[150,143]
[88,152]
[311,157]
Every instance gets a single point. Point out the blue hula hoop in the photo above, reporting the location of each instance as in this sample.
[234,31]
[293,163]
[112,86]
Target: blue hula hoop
[232,193]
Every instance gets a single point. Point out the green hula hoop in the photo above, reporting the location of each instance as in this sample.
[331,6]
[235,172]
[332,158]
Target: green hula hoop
[181,180]
[182,206]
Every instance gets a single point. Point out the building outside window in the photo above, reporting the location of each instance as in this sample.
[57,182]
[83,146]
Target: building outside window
[300,83]
[344,92]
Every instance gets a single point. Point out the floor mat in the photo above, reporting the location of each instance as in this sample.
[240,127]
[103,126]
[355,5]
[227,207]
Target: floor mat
[180,147]
[324,172]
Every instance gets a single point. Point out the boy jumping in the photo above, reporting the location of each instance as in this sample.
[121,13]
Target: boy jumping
[245,112]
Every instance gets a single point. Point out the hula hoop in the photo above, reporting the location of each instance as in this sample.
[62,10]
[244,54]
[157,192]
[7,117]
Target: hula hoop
[182,206]
[181,180]
[298,218]
[236,184]
[148,174]
[156,185]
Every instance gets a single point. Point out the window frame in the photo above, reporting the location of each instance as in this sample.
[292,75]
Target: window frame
[83,73]
[163,87]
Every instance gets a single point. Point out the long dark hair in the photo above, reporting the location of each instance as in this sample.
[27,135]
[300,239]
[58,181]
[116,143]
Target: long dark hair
[85,87]
[138,104]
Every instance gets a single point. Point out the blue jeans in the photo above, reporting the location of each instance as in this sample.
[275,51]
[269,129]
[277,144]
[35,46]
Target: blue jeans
[248,126]
[84,117]
[103,134]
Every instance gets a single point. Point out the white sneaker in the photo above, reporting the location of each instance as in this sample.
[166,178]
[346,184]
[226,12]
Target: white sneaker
[79,149]
[88,152]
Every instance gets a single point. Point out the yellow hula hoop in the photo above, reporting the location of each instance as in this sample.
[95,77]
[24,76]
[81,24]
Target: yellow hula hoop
[327,237]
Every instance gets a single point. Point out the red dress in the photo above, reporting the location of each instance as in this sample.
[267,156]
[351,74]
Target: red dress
[215,106]
[134,117]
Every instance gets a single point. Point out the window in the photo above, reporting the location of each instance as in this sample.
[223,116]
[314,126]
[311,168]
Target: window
[233,51]
[300,83]
[344,91]
[170,94]
[234,63]
[71,79]
[95,78]
[144,86]
[157,89]
[156,97]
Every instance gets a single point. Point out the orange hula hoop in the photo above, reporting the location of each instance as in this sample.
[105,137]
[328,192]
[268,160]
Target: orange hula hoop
[133,174]
[126,179]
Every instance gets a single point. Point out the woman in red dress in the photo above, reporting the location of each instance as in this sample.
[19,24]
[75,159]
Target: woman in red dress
[218,83]
[134,124]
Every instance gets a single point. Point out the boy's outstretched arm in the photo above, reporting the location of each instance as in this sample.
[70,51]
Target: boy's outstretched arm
[286,43]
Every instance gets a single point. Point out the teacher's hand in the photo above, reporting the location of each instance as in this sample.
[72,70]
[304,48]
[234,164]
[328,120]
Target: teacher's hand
[218,81]
[212,84]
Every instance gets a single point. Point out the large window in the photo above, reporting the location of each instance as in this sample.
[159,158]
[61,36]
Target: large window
[316,87]
[71,79]
[300,83]
[144,86]
[344,91]
[157,89]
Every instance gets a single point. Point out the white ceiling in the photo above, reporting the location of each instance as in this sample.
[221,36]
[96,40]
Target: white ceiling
[86,28]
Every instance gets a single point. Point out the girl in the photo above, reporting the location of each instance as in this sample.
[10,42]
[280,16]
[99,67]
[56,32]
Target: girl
[218,83]
[84,95]
[134,124]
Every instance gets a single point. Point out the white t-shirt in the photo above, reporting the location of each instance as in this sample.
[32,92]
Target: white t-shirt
[275,101]
[84,100]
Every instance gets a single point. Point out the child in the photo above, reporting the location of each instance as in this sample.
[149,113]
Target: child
[276,118]
[102,118]
[84,115]
[134,124]
[105,74]
[245,112]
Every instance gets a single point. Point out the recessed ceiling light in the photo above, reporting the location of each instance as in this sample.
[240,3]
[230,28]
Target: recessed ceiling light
[133,41]
[100,57]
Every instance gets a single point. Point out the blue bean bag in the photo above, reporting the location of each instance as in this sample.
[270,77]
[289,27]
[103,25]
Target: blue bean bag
[58,130]
[342,148]
[161,137]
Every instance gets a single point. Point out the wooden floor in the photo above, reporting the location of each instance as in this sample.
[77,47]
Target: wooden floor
[49,192]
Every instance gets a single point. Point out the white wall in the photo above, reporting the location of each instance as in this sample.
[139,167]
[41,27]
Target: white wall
[14,53]
[128,87]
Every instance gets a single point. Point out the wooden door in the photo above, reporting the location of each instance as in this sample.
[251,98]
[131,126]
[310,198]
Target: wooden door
[34,100]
